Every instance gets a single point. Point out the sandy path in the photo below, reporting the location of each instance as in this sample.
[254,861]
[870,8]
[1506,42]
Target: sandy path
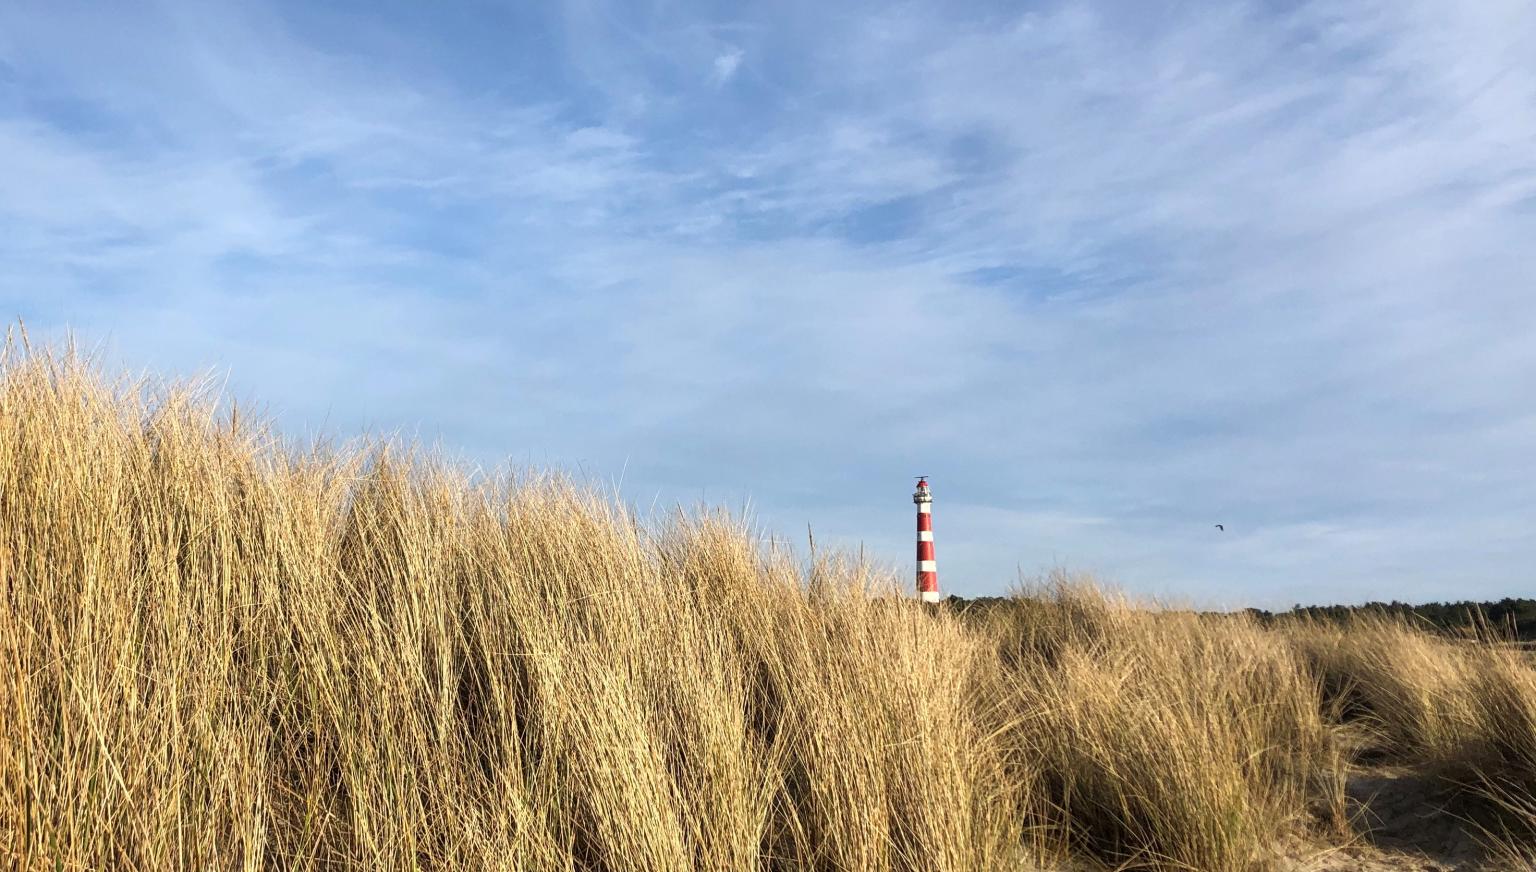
[1409,822]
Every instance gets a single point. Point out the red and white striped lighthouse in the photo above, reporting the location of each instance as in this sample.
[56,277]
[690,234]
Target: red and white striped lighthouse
[927,570]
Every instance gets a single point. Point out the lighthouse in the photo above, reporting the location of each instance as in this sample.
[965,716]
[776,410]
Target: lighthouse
[927,570]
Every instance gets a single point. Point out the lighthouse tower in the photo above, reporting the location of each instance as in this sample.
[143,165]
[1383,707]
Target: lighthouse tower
[927,570]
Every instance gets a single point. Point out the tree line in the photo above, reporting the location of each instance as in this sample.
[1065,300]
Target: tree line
[1510,617]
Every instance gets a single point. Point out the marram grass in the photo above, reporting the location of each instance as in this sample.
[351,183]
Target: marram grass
[221,651]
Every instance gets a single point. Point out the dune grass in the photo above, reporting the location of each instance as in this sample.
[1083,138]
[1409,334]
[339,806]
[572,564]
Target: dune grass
[222,651]
[1166,738]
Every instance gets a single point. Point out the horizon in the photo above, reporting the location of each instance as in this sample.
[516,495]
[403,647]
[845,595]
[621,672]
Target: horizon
[1115,273]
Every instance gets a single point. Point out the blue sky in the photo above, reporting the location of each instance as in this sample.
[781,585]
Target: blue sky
[1111,273]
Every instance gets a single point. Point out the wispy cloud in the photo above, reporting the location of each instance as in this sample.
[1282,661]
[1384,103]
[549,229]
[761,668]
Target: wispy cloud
[726,65]
[1111,275]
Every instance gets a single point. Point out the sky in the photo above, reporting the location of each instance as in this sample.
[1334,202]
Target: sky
[1111,273]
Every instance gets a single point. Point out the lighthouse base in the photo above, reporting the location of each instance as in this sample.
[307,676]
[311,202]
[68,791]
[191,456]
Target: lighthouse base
[932,596]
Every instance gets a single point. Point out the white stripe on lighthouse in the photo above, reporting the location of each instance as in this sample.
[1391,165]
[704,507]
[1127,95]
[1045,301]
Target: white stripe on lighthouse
[924,509]
[927,566]
[925,535]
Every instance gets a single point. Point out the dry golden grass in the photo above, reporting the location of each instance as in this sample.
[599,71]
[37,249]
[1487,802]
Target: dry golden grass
[221,653]
[224,652]
[1164,738]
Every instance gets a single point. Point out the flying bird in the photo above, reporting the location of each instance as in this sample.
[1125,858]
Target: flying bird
[1221,528]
